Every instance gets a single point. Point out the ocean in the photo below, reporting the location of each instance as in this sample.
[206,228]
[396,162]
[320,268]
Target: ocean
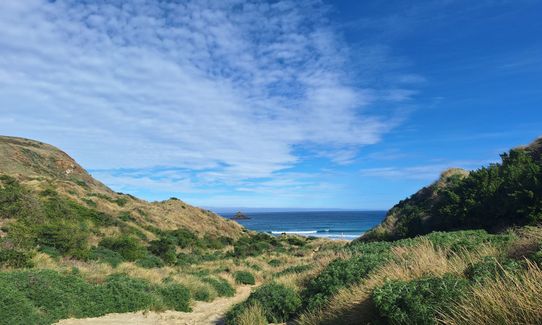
[346,225]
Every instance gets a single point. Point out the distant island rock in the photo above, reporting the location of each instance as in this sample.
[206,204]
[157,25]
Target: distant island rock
[240,216]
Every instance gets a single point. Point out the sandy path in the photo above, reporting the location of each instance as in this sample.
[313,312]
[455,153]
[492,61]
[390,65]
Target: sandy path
[203,313]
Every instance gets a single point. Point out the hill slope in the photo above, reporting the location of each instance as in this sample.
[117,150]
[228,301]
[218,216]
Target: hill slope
[491,198]
[39,166]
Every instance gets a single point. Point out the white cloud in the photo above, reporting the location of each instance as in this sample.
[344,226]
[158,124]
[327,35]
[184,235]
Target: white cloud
[229,87]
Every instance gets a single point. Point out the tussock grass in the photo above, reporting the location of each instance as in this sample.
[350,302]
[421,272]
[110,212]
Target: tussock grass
[354,306]
[252,315]
[510,299]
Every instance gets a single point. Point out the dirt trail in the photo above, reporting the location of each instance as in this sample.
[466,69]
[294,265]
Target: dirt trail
[203,313]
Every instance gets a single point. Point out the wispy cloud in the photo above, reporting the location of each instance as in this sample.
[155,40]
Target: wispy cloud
[223,89]
[425,172]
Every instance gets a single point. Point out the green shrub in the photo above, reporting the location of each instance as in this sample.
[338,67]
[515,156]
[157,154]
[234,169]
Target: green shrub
[341,273]
[537,257]
[16,201]
[121,201]
[68,237]
[187,259]
[418,301]
[274,263]
[244,277]
[56,296]
[176,297]
[489,268]
[15,258]
[126,216]
[125,294]
[185,238]
[202,294]
[222,287]
[296,241]
[106,255]
[150,261]
[46,296]
[278,302]
[255,245]
[165,249]
[15,308]
[130,248]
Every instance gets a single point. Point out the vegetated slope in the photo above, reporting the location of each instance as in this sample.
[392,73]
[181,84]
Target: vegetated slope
[39,167]
[492,198]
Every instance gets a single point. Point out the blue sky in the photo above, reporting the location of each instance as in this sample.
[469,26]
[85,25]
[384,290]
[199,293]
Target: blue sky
[306,104]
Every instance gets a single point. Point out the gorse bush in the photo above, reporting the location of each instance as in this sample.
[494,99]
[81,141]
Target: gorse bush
[277,302]
[244,277]
[418,301]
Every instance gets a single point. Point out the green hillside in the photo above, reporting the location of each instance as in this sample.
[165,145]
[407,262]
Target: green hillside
[493,198]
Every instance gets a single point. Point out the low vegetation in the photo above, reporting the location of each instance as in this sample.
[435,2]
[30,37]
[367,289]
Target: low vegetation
[88,253]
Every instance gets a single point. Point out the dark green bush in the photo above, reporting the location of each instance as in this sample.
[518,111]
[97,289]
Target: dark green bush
[255,245]
[165,249]
[489,268]
[222,287]
[150,261]
[296,241]
[129,247]
[418,301]
[15,308]
[187,259]
[175,297]
[202,294]
[278,302]
[15,258]
[125,294]
[106,255]
[67,237]
[185,238]
[244,277]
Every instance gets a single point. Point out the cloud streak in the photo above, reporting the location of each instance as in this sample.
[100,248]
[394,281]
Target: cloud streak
[225,89]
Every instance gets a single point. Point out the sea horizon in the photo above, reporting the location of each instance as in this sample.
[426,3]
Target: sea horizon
[332,224]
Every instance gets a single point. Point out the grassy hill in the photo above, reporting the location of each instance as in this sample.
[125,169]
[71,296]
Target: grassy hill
[464,250]
[494,198]
[72,247]
[41,167]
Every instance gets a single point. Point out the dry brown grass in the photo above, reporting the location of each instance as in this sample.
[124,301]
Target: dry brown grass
[353,305]
[510,299]
[529,241]
[252,315]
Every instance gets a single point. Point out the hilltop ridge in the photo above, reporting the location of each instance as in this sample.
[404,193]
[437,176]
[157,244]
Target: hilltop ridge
[40,166]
